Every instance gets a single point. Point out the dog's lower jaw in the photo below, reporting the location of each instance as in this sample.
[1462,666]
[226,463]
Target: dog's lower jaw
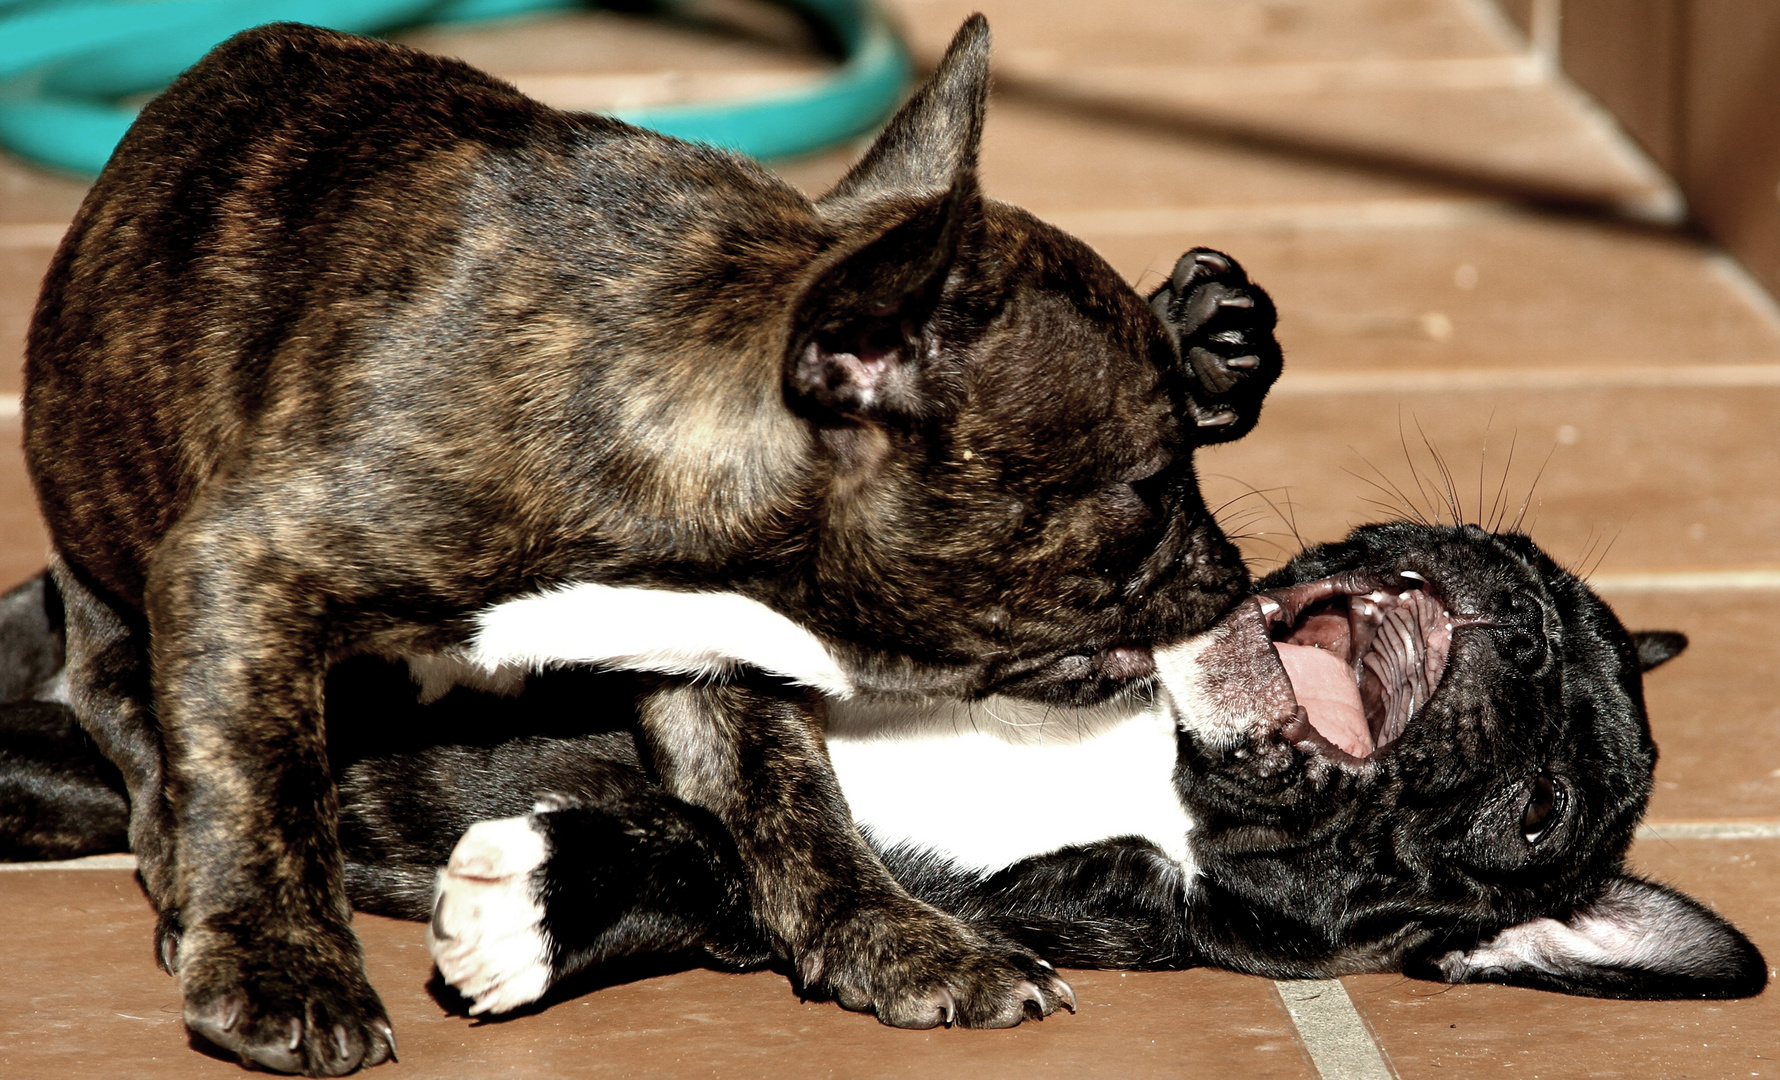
[1214,702]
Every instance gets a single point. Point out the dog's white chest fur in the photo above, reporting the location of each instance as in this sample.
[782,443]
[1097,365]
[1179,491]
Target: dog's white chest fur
[990,783]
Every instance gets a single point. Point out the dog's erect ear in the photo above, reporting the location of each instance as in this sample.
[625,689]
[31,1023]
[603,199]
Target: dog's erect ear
[1637,940]
[1657,647]
[859,330]
[930,145]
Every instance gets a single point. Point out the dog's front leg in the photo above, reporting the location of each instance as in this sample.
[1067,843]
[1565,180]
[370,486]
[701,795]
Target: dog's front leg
[267,961]
[751,751]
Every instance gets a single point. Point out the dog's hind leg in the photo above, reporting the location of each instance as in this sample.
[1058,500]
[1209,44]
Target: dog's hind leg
[59,799]
[32,642]
[528,901]
[1119,903]
[108,687]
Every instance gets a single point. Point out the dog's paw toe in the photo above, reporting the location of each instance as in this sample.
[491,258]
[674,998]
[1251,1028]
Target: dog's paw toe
[998,993]
[1222,327]
[933,971]
[167,934]
[487,933]
[289,1009]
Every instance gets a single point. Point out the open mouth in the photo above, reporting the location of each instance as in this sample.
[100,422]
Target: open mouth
[1360,654]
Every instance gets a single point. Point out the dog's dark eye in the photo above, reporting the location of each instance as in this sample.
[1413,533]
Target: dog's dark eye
[1545,807]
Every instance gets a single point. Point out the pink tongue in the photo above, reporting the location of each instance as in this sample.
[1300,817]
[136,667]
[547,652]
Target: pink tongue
[1325,686]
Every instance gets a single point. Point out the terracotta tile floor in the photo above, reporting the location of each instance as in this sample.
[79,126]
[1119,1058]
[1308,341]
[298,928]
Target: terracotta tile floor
[1455,247]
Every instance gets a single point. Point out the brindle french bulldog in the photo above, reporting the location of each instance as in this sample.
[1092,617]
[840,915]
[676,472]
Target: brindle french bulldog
[355,351]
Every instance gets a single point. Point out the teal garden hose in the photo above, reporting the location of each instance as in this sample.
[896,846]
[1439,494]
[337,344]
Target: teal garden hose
[64,65]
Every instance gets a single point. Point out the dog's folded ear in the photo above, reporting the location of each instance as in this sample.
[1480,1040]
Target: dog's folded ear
[904,212]
[1637,940]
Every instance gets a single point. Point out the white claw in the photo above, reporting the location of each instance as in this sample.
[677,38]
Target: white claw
[946,1004]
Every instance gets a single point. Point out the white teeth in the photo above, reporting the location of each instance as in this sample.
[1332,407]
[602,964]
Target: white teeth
[1411,574]
[1404,596]
[1268,607]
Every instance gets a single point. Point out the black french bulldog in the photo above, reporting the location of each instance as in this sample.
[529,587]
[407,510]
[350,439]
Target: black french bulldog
[1420,749]
[357,352]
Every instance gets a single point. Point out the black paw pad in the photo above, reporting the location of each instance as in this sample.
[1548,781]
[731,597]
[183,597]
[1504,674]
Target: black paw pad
[1222,328]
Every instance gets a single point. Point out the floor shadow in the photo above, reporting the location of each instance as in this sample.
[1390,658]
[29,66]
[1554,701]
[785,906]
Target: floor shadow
[1173,120]
[599,977]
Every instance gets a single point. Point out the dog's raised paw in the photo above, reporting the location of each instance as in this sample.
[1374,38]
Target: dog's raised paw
[487,933]
[1222,326]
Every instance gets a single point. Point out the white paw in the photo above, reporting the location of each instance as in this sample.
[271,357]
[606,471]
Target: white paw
[487,937]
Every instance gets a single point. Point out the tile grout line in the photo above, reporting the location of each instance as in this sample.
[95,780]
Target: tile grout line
[1607,377]
[1340,1045]
[1747,829]
[91,862]
[35,234]
[1749,579]
[1389,213]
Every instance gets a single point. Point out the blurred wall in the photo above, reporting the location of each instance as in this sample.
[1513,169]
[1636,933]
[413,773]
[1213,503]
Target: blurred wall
[1697,82]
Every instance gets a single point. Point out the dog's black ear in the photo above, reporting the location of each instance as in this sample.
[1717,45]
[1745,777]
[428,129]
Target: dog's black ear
[1637,940]
[904,212]
[1656,647]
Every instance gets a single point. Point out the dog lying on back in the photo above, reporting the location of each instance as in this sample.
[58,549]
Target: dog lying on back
[1420,749]
[358,352]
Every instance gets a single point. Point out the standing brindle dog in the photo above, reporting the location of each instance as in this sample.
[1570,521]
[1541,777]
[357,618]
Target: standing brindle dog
[357,351]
